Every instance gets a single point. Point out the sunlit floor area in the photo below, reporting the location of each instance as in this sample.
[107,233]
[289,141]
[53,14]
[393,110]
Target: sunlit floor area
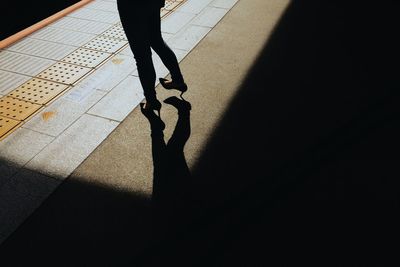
[66,87]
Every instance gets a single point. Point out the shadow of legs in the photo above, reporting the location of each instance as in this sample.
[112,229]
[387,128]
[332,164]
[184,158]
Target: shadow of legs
[179,169]
[171,173]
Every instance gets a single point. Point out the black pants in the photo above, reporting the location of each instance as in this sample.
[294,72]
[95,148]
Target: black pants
[142,25]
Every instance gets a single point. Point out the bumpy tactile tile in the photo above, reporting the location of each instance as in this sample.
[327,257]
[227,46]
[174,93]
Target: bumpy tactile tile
[17,109]
[38,91]
[106,44]
[86,57]
[6,126]
[65,73]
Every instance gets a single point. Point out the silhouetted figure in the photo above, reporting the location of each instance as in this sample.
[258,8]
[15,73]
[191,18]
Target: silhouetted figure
[171,172]
[142,24]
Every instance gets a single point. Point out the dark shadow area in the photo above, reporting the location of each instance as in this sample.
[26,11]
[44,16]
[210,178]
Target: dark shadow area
[81,224]
[303,168]
[16,16]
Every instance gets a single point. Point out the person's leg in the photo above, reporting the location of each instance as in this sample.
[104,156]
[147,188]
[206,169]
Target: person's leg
[145,67]
[161,48]
[136,27]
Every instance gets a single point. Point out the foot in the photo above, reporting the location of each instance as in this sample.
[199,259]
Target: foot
[181,86]
[180,104]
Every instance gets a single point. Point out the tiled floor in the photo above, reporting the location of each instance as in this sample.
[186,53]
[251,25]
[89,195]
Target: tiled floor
[65,131]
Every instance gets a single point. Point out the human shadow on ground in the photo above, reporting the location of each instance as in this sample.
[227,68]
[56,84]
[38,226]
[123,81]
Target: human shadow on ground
[171,174]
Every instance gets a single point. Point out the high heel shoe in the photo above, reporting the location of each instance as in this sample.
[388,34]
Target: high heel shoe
[181,86]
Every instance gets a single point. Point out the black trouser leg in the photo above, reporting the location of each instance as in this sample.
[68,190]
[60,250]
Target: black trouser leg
[136,24]
[145,67]
[162,49]
[142,26]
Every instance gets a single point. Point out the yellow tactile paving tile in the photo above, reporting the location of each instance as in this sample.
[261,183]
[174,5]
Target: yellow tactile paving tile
[86,57]
[7,125]
[106,44]
[38,91]
[17,109]
[65,73]
[116,32]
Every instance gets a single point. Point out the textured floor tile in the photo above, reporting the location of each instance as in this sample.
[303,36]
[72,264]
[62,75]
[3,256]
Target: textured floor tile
[209,17]
[176,21]
[188,38]
[17,109]
[95,15]
[106,44]
[120,101]
[20,197]
[40,48]
[9,81]
[63,36]
[86,57]
[23,64]
[56,118]
[81,25]
[103,5]
[38,91]
[116,32]
[7,126]
[72,147]
[65,73]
